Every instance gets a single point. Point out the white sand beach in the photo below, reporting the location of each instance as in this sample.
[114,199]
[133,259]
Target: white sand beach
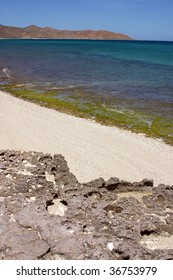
[91,150]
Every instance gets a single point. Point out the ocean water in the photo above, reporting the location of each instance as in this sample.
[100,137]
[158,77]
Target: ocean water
[131,75]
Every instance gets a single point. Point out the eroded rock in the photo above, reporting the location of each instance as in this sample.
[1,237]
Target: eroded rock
[45,213]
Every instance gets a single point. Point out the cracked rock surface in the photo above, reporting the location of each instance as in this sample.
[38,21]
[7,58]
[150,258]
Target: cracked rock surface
[45,213]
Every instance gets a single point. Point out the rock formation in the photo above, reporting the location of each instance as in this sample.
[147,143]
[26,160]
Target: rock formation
[33,31]
[45,213]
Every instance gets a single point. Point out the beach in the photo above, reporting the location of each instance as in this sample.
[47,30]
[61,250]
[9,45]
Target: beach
[91,150]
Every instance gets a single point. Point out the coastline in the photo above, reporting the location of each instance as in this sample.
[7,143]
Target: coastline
[78,104]
[85,144]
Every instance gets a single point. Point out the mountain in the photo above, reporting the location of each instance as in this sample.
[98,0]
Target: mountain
[34,31]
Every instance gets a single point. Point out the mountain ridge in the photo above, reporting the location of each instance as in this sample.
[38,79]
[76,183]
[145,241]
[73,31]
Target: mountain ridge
[33,31]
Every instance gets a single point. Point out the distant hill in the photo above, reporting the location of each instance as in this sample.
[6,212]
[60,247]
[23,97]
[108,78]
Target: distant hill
[33,31]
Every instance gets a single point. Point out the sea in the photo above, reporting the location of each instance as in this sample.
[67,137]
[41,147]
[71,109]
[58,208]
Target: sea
[127,75]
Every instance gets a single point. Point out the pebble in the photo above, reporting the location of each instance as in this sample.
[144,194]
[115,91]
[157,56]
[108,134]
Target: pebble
[110,246]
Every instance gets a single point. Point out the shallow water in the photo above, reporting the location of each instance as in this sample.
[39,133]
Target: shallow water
[124,75]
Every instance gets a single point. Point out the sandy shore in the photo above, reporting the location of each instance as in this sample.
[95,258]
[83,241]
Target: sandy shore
[91,150]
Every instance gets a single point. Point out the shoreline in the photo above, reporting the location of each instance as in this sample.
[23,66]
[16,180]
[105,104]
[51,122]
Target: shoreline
[85,144]
[129,40]
[78,104]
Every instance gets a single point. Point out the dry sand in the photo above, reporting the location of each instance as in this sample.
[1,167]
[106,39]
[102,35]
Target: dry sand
[91,150]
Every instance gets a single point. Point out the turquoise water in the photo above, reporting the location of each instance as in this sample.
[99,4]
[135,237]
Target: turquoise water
[134,75]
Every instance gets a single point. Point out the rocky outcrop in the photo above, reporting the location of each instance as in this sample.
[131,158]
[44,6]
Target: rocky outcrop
[33,31]
[45,213]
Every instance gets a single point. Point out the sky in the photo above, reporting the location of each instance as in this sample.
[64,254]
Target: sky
[140,19]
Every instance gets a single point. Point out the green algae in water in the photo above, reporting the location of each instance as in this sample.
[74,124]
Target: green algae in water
[75,103]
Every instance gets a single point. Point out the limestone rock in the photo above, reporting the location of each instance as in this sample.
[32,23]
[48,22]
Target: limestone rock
[45,213]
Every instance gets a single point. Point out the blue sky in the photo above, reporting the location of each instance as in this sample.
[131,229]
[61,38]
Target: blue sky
[140,19]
